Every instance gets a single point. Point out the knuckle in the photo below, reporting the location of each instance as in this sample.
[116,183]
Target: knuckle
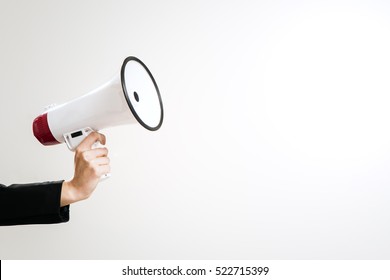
[93,134]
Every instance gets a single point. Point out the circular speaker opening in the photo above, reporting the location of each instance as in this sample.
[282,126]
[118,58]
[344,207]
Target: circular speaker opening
[136,78]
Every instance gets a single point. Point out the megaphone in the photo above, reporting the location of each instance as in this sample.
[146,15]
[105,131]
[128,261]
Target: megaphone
[130,97]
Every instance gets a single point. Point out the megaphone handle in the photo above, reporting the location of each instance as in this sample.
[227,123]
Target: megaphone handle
[74,138]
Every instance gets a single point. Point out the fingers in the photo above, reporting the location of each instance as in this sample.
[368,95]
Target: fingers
[93,162]
[91,139]
[92,166]
[95,153]
[97,160]
[101,161]
[101,166]
[102,170]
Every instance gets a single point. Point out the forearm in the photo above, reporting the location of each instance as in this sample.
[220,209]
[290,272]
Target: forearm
[37,203]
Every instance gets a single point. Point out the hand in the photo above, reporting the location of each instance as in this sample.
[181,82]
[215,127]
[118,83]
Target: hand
[90,165]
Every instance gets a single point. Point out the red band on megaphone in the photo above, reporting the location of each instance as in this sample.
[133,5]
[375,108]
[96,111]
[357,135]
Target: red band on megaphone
[42,131]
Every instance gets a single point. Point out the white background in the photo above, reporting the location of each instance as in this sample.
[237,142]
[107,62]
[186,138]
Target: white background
[275,142]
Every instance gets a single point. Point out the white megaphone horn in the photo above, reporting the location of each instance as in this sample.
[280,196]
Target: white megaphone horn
[130,97]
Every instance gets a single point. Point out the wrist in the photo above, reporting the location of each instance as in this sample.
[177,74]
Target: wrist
[70,194]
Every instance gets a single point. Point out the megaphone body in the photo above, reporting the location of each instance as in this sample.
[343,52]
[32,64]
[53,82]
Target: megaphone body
[130,97]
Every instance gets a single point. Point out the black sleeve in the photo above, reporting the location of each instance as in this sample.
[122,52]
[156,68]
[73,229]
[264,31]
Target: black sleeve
[37,203]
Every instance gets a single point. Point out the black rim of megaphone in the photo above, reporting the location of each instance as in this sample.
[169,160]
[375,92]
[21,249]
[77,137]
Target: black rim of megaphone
[127,94]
